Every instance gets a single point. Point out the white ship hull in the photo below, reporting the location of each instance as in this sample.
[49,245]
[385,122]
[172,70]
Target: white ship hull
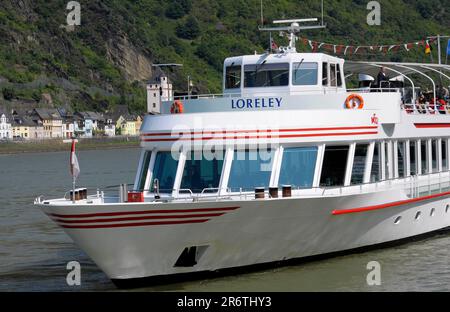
[242,233]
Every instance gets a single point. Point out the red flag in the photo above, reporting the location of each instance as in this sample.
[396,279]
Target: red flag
[74,166]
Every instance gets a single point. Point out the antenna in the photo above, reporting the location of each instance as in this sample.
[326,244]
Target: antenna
[292,30]
[262,16]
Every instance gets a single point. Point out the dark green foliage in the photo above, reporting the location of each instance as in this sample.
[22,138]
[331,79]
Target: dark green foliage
[8,93]
[190,29]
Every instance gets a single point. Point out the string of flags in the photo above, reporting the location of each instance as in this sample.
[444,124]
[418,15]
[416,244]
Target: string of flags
[360,49]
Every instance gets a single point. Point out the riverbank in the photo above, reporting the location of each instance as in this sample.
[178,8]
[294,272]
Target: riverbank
[57,145]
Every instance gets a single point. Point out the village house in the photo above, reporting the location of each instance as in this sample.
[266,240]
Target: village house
[51,120]
[5,128]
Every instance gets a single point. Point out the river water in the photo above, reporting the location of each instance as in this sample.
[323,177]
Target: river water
[34,251]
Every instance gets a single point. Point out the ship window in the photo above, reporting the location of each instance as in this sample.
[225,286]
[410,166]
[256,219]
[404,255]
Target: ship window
[304,74]
[144,170]
[250,169]
[434,155]
[375,173]
[333,75]
[401,159]
[444,155]
[325,74]
[359,163]
[423,155]
[334,166]
[298,166]
[338,75]
[412,157]
[201,173]
[165,170]
[387,164]
[233,77]
[266,75]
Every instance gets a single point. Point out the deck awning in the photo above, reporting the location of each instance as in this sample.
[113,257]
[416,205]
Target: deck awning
[396,69]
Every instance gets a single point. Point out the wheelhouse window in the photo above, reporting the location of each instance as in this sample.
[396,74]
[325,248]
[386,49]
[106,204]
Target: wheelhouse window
[164,170]
[250,169]
[444,148]
[200,173]
[334,166]
[338,75]
[266,75]
[233,77]
[359,164]
[298,166]
[401,159]
[324,74]
[412,157]
[333,75]
[304,74]
[375,173]
[144,170]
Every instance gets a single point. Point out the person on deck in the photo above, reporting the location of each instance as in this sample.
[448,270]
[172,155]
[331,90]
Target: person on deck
[382,77]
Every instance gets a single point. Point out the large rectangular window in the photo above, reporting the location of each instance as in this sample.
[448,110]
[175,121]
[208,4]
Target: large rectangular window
[334,166]
[233,77]
[338,75]
[444,148]
[434,160]
[201,174]
[164,170]
[401,159]
[375,173]
[359,164]
[144,170]
[304,74]
[423,155]
[266,75]
[250,169]
[412,157]
[298,166]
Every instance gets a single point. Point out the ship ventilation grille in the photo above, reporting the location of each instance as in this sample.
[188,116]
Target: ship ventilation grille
[190,256]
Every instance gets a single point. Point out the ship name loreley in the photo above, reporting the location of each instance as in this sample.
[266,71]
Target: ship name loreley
[302,165]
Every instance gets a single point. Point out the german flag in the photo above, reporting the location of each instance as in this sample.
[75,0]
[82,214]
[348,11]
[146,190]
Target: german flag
[427,48]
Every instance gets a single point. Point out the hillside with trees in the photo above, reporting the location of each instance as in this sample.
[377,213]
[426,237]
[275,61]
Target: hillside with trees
[106,60]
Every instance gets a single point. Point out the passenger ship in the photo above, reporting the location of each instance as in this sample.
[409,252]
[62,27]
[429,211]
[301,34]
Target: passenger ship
[287,163]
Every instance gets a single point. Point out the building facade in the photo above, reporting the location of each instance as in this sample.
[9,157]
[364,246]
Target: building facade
[158,90]
[5,128]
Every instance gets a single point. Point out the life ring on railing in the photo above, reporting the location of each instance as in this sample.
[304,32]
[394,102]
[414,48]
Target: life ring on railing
[177,107]
[354,101]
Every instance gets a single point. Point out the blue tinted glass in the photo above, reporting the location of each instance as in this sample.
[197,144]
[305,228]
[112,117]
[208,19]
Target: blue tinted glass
[165,170]
[250,169]
[304,74]
[298,166]
[144,169]
[201,174]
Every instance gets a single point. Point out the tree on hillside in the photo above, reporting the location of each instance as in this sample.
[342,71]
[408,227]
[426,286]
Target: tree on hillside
[189,30]
[178,8]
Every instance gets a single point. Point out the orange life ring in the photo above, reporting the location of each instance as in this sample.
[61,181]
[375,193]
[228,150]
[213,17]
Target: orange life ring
[353,101]
[177,107]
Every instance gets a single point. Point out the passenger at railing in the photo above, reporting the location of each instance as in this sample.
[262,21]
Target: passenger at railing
[432,106]
[421,104]
[442,92]
[442,105]
[382,77]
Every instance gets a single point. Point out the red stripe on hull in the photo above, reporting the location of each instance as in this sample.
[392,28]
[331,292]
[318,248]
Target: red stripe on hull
[121,225]
[389,205]
[432,125]
[282,136]
[260,131]
[123,213]
[140,218]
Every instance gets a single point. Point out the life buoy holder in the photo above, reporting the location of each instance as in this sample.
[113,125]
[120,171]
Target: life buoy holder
[177,107]
[354,101]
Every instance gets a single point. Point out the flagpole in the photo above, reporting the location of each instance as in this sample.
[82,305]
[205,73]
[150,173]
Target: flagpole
[73,189]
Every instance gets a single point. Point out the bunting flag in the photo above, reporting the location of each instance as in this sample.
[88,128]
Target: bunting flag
[346,49]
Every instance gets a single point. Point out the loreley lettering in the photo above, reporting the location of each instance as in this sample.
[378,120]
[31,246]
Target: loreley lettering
[256,103]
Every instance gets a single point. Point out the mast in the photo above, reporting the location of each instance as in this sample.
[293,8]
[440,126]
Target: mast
[292,30]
